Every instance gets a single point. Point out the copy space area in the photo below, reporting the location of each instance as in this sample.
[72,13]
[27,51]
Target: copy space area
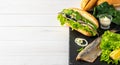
[30,33]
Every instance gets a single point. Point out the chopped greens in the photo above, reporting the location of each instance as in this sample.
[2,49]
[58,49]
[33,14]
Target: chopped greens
[105,8]
[110,41]
[80,49]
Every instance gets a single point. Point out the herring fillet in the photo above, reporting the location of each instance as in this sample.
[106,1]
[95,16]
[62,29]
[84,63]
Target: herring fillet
[90,52]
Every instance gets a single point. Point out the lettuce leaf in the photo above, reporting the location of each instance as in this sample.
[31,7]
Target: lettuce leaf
[109,42]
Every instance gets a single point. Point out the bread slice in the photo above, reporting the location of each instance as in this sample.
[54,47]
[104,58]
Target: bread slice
[87,4]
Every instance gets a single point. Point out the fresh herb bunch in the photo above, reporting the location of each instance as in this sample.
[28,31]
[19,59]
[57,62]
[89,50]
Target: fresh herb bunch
[110,42]
[105,8]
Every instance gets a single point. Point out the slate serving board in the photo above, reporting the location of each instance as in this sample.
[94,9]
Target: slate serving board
[73,47]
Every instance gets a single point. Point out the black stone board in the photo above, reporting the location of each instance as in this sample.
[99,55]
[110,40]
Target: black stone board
[73,47]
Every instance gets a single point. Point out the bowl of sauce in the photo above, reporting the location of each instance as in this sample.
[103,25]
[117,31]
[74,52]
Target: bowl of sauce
[105,21]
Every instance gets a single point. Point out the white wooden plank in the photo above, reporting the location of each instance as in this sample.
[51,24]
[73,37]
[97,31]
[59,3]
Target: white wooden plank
[34,45]
[34,60]
[33,12]
[33,48]
[35,6]
[22,39]
[34,33]
[33,53]
[29,20]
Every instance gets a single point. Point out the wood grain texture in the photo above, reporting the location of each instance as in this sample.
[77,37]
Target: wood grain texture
[32,12]
[34,45]
[29,20]
[33,33]
[35,6]
[30,33]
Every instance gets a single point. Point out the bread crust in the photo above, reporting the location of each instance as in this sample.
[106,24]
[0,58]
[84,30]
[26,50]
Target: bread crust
[87,4]
[115,3]
[87,16]
[83,3]
[101,1]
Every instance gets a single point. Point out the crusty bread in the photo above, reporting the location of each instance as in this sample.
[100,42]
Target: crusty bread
[87,16]
[101,1]
[115,3]
[83,3]
[87,4]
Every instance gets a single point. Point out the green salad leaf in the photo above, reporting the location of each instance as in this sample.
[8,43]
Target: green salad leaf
[105,8]
[110,41]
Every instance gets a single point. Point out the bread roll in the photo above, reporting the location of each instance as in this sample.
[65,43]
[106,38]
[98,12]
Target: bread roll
[87,4]
[115,3]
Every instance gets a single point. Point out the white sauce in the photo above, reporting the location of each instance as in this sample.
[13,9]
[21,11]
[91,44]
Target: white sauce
[105,21]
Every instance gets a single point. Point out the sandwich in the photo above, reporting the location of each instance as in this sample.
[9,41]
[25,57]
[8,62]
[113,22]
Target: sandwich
[115,3]
[79,20]
[87,4]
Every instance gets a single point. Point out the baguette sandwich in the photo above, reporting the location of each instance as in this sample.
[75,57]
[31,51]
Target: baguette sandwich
[87,4]
[79,20]
[115,3]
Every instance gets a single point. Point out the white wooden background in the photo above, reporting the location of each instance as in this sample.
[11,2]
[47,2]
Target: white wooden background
[30,33]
